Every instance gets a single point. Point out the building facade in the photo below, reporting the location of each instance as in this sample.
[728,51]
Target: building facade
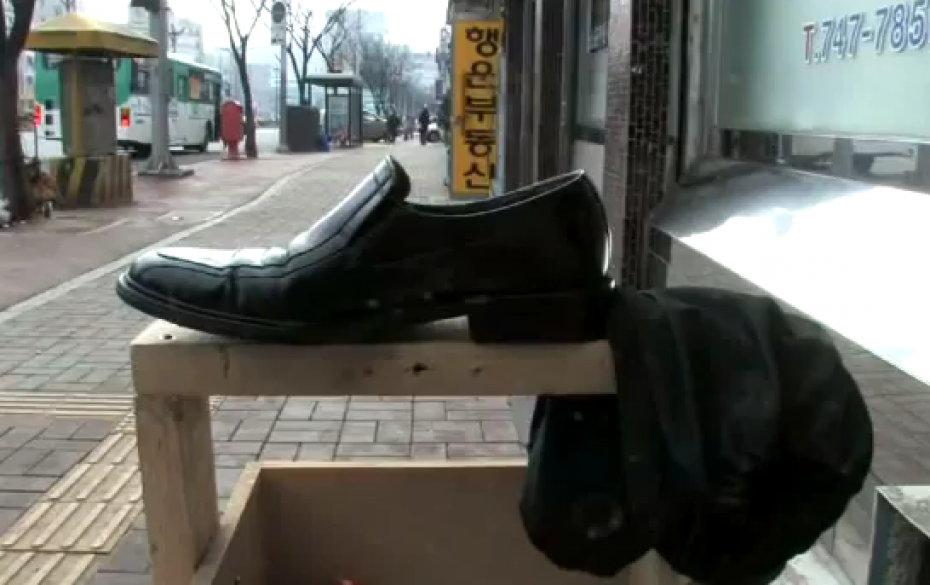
[713,131]
[44,11]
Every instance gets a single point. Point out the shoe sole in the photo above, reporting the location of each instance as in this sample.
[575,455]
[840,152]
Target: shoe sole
[564,317]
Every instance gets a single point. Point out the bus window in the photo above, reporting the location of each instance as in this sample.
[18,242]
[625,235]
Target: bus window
[139,77]
[183,90]
[195,87]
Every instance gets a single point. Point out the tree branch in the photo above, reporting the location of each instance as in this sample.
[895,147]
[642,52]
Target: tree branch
[22,19]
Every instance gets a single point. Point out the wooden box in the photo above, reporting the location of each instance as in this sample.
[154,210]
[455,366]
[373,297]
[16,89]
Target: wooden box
[405,523]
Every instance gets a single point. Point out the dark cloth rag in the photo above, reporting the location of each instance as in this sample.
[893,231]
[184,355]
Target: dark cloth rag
[735,437]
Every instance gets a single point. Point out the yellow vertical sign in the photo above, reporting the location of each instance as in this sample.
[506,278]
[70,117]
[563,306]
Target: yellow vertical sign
[476,52]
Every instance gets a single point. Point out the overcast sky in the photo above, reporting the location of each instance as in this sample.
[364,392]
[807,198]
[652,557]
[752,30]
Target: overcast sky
[411,22]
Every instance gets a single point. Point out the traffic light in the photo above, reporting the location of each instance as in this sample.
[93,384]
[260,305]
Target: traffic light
[149,5]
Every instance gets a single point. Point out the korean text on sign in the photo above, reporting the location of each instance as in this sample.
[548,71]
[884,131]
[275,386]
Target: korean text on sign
[476,56]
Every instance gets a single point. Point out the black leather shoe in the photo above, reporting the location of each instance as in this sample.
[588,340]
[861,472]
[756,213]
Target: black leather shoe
[528,266]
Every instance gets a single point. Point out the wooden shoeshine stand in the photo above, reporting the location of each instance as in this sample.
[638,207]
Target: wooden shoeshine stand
[391,523]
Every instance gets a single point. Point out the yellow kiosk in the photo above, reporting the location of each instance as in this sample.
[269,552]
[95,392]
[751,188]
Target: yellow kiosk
[91,173]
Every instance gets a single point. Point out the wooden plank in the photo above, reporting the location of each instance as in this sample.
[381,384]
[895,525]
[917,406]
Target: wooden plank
[178,483]
[435,360]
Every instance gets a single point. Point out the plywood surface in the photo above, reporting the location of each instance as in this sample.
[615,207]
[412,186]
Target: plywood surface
[389,523]
[435,360]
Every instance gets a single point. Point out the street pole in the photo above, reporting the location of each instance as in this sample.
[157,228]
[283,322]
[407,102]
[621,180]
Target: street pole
[160,162]
[282,102]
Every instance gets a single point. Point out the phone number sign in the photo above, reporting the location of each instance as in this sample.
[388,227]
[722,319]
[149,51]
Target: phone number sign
[893,28]
[856,68]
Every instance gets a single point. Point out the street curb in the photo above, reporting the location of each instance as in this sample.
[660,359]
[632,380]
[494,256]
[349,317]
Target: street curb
[64,288]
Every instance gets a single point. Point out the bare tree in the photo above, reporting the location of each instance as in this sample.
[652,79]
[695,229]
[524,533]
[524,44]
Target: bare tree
[303,40]
[384,67]
[333,41]
[239,36]
[13,31]
[69,5]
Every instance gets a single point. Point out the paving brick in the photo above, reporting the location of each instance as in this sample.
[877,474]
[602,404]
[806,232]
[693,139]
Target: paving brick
[22,460]
[499,431]
[372,450]
[427,411]
[131,554]
[26,484]
[253,430]
[110,578]
[358,432]
[237,447]
[68,445]
[238,460]
[279,452]
[303,436]
[428,451]
[18,500]
[446,432]
[61,429]
[94,430]
[394,432]
[484,450]
[316,452]
[8,517]
[478,415]
[326,411]
[16,438]
[56,463]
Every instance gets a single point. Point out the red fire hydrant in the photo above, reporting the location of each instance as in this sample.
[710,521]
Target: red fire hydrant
[231,130]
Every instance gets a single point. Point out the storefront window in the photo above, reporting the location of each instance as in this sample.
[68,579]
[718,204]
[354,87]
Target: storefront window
[827,86]
[591,72]
[597,25]
[855,68]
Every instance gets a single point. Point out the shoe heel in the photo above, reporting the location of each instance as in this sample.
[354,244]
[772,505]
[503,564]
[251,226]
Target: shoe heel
[558,318]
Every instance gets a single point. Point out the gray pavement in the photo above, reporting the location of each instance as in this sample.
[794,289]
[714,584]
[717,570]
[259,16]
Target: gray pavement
[68,357]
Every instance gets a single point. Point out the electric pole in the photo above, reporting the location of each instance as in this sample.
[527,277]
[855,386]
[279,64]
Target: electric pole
[279,16]
[160,162]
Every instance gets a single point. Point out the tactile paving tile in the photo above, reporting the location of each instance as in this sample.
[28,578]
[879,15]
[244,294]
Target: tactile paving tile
[117,448]
[98,483]
[65,404]
[32,568]
[72,527]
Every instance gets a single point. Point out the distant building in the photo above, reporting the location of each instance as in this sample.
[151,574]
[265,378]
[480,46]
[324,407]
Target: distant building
[424,71]
[44,10]
[185,36]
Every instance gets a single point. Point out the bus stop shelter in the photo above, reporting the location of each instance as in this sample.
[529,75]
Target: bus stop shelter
[342,120]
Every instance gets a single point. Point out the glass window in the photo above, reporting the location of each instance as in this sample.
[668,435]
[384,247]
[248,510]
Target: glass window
[591,74]
[140,77]
[598,17]
[183,89]
[837,102]
[196,84]
[856,68]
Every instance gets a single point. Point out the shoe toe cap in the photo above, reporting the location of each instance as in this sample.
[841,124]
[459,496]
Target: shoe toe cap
[175,275]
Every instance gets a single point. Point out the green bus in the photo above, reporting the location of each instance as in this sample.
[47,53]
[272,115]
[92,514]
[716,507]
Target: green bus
[193,110]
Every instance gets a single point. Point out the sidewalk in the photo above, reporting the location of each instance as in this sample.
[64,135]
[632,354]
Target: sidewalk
[39,255]
[69,487]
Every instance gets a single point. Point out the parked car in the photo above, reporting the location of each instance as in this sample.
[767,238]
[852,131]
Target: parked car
[374,127]
[433,133]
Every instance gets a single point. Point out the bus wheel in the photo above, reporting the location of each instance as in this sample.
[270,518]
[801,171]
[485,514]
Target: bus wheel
[208,133]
